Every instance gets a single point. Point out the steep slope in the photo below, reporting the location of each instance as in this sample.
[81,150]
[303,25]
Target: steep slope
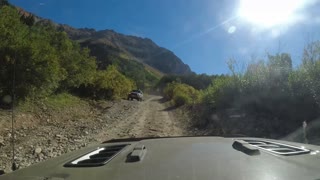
[108,44]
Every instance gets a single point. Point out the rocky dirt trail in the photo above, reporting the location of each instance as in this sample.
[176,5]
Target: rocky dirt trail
[120,119]
[151,119]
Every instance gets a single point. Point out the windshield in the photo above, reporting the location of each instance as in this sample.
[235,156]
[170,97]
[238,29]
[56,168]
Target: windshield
[216,68]
[137,91]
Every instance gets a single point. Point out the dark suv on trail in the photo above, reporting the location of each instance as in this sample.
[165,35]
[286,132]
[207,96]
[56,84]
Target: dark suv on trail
[135,94]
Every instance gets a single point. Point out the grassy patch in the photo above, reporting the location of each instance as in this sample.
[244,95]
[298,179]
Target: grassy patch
[61,101]
[28,105]
[54,102]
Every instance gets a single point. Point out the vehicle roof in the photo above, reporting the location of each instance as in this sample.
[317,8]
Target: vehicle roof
[136,90]
[182,158]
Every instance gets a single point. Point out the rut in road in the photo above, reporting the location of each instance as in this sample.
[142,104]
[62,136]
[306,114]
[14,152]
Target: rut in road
[151,119]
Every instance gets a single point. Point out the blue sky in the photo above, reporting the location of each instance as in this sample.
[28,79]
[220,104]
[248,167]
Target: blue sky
[203,33]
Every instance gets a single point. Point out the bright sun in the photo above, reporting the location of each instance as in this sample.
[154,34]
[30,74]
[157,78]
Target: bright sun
[269,13]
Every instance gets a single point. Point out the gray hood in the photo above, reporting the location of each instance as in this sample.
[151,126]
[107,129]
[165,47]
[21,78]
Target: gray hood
[186,158]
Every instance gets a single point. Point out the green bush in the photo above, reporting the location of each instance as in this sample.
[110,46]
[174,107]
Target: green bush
[41,59]
[221,93]
[181,94]
[181,99]
[168,91]
[111,84]
[197,81]
[271,90]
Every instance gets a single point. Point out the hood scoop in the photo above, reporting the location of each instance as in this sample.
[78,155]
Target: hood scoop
[137,154]
[276,148]
[98,157]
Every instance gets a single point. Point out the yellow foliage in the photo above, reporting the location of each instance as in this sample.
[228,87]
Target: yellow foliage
[113,83]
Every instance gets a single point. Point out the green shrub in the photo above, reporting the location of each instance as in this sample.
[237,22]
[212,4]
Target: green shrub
[181,94]
[111,84]
[221,93]
[42,59]
[197,81]
[271,92]
[168,91]
[182,99]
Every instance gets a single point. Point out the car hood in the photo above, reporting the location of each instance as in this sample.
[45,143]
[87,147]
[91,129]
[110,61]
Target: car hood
[183,158]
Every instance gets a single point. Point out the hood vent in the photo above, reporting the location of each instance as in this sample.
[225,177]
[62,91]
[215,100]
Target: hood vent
[98,157]
[277,148]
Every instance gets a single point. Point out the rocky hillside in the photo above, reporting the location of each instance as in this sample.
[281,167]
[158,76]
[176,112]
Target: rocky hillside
[107,44]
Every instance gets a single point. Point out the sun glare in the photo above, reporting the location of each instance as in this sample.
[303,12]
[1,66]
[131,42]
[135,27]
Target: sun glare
[269,13]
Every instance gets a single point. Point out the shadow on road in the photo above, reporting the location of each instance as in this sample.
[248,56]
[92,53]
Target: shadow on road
[102,105]
[170,108]
[162,100]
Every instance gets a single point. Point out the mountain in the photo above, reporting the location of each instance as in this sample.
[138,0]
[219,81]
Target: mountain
[108,44]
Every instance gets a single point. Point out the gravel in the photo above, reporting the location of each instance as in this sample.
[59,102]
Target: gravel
[51,138]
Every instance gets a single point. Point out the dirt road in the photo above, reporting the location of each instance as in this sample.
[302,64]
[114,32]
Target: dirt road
[151,119]
[40,138]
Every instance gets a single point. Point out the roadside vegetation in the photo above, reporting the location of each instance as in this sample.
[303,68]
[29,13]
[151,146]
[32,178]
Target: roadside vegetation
[181,94]
[270,98]
[197,81]
[37,61]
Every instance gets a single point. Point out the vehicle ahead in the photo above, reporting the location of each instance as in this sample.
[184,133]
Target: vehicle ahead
[201,158]
[135,94]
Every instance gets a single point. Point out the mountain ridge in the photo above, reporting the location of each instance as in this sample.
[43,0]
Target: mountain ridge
[106,44]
